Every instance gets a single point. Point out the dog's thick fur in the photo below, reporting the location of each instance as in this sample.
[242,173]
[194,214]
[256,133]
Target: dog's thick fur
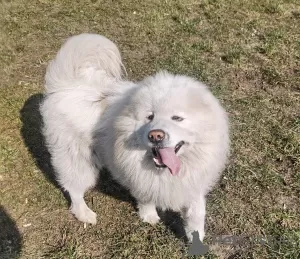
[94,119]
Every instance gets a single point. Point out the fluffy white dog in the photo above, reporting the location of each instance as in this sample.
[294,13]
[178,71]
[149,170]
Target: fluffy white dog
[164,138]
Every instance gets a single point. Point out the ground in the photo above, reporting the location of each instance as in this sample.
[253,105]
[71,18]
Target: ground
[246,51]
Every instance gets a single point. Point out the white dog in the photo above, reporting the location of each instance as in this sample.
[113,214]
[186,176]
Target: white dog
[164,138]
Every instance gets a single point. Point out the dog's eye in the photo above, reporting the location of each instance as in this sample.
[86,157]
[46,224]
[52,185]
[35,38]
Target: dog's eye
[150,116]
[177,118]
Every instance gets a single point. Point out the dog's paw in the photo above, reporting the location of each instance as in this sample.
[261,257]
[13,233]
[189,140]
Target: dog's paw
[84,214]
[151,218]
[148,213]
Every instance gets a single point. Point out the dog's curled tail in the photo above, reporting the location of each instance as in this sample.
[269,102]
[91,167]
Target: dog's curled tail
[84,60]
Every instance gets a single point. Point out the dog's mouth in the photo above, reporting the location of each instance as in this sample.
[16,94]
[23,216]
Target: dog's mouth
[166,157]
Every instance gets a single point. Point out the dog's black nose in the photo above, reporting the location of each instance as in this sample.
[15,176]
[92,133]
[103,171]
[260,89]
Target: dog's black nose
[156,136]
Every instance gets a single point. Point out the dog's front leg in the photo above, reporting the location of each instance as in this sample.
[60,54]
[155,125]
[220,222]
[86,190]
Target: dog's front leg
[148,213]
[194,217]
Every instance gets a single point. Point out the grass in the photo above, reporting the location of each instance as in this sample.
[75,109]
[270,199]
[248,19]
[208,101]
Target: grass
[248,52]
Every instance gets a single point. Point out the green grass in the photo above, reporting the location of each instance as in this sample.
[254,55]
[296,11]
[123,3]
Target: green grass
[248,52]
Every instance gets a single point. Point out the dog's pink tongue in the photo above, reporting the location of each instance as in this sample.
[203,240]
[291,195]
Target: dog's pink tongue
[170,159]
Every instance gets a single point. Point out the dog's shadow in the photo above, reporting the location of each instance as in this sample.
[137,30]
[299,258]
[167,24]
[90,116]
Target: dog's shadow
[33,138]
[10,236]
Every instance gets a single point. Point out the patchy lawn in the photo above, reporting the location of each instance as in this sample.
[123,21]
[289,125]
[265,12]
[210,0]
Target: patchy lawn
[247,51]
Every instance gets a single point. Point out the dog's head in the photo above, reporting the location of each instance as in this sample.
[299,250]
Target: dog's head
[169,117]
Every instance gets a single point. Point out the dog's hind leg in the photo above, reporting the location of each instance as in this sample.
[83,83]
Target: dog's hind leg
[79,208]
[76,175]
